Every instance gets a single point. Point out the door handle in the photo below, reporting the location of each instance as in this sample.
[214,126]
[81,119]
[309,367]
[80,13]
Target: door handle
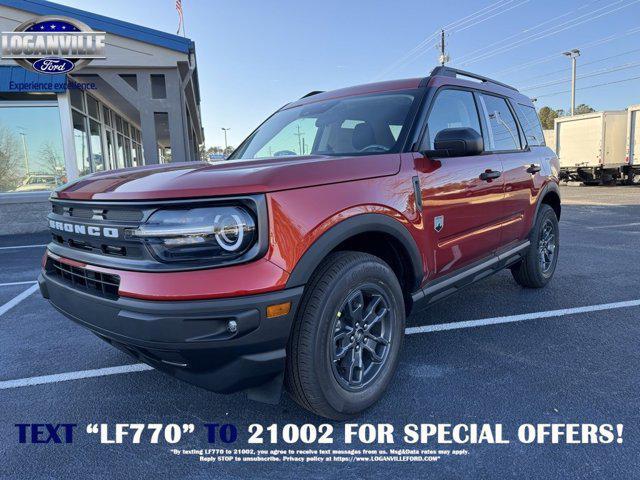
[490,175]
[534,168]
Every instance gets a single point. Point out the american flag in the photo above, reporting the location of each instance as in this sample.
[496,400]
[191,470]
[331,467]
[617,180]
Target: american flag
[180,16]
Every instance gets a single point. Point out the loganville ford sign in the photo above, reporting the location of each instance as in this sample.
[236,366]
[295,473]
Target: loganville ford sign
[53,45]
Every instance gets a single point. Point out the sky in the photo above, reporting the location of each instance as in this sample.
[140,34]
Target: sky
[255,56]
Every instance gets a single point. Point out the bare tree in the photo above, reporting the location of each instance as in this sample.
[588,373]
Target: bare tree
[11,168]
[50,159]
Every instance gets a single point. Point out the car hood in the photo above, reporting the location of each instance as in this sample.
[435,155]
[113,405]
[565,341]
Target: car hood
[236,177]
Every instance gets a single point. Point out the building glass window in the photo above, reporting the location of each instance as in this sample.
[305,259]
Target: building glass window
[110,150]
[77,99]
[81,141]
[31,155]
[127,152]
[96,146]
[135,159]
[106,112]
[104,139]
[120,152]
[92,107]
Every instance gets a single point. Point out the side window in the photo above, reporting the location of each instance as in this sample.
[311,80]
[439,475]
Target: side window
[502,128]
[452,109]
[531,125]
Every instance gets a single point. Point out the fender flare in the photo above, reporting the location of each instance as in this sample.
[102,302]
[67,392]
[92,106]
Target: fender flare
[549,187]
[362,223]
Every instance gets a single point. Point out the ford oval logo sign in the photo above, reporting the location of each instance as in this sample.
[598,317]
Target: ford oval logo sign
[53,65]
[53,45]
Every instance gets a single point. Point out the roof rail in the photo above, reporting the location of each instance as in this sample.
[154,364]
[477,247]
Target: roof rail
[454,72]
[311,94]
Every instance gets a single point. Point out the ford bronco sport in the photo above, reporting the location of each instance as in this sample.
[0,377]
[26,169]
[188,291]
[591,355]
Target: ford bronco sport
[298,260]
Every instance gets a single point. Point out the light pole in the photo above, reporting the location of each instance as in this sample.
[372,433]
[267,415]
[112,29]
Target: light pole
[573,55]
[225,137]
[25,151]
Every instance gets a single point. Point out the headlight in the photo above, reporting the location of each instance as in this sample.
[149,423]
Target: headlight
[208,233]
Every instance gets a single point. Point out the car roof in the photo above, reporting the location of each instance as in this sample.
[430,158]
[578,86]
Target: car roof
[440,76]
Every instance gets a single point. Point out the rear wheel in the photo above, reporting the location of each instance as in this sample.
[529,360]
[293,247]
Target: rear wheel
[346,339]
[536,269]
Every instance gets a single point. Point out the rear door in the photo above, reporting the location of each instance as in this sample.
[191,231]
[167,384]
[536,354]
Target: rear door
[459,208]
[521,165]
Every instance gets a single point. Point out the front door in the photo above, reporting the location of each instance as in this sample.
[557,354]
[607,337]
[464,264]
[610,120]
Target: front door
[460,202]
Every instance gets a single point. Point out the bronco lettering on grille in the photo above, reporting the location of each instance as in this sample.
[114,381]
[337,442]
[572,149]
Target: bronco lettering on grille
[90,230]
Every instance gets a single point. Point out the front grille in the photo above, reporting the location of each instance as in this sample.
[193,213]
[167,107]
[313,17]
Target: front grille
[85,213]
[70,222]
[96,283]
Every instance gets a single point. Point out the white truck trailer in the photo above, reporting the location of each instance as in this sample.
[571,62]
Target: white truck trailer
[550,138]
[591,147]
[632,169]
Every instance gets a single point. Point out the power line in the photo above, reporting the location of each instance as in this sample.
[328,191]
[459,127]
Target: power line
[473,16]
[546,33]
[407,56]
[592,86]
[617,68]
[582,64]
[508,39]
[574,22]
[565,26]
[554,56]
[419,49]
[459,28]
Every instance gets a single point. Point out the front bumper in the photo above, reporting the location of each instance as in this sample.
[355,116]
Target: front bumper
[188,339]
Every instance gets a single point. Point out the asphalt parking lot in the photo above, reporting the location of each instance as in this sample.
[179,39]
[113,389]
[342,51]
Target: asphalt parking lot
[581,365]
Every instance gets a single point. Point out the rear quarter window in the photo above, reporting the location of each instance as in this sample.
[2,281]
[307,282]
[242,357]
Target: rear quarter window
[531,125]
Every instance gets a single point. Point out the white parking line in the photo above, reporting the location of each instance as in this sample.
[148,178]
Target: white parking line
[17,299]
[520,318]
[17,283]
[141,367]
[23,246]
[63,377]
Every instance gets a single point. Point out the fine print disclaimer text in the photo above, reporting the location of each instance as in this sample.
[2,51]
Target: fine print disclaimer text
[310,455]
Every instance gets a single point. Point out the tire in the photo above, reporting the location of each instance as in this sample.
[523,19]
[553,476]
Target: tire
[530,271]
[314,376]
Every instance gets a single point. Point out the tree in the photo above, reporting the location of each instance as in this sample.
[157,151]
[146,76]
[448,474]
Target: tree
[202,152]
[547,115]
[51,159]
[11,162]
[583,108]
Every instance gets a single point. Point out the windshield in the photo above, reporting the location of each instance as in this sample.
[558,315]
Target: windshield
[361,125]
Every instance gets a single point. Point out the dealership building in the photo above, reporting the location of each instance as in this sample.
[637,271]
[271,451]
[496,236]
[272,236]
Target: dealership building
[138,105]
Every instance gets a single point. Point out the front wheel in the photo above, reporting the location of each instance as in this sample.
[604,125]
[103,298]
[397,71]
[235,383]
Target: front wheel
[346,339]
[536,269]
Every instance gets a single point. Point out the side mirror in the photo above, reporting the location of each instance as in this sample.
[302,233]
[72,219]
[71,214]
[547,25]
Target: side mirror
[457,142]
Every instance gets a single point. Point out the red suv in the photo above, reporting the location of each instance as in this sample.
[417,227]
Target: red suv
[299,258]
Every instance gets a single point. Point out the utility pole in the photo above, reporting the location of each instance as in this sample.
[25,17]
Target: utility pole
[444,58]
[299,135]
[573,55]
[225,138]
